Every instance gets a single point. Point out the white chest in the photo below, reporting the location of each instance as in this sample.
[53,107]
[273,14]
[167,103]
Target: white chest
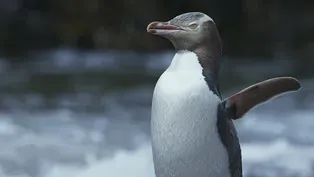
[184,115]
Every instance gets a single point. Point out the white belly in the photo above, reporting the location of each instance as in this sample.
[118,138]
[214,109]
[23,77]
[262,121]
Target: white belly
[185,138]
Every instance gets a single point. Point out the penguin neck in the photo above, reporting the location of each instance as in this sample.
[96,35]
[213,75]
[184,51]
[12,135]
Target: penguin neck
[208,52]
[190,61]
[185,60]
[209,59]
[199,59]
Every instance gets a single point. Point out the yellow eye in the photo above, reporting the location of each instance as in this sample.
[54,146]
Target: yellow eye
[193,26]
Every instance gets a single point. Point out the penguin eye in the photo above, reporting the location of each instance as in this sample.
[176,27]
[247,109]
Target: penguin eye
[193,26]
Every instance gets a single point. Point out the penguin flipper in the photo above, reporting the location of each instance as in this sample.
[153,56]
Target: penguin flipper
[240,103]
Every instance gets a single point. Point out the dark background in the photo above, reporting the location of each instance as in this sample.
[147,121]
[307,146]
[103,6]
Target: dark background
[252,28]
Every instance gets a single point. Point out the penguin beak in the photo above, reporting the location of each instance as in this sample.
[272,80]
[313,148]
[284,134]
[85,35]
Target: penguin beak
[162,28]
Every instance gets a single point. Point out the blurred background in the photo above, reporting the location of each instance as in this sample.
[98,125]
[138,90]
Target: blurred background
[77,78]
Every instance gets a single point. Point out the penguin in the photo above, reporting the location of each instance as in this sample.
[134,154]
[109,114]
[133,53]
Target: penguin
[192,130]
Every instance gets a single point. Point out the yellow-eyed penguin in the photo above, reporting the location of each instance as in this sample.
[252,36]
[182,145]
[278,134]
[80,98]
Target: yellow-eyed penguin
[191,126]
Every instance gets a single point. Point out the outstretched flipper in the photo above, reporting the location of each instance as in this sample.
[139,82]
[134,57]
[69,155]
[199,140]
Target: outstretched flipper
[240,103]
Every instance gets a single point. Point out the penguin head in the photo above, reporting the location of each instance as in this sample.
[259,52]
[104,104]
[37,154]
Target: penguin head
[186,31]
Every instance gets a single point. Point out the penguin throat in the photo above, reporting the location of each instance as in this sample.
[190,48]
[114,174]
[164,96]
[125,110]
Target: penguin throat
[188,62]
[185,60]
[207,55]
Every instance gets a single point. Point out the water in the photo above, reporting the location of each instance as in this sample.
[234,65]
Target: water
[83,114]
